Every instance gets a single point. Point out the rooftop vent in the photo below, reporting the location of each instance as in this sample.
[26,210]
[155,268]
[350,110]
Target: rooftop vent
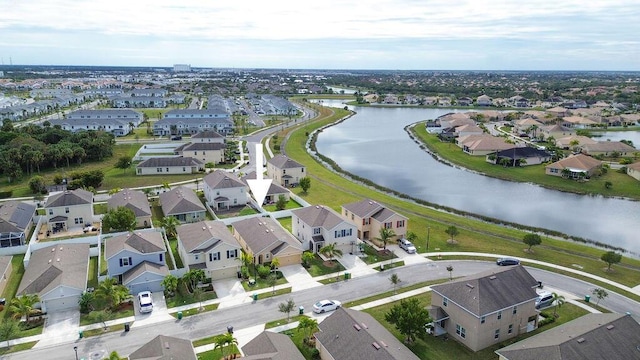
[357,327]
[375,345]
[364,325]
[166,345]
[58,259]
[470,286]
[609,327]
[383,344]
[492,277]
[580,341]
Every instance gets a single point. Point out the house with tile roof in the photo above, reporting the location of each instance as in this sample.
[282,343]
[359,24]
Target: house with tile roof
[486,308]
[609,148]
[169,166]
[164,347]
[317,226]
[183,204]
[16,221]
[58,275]
[274,192]
[633,170]
[349,334]
[266,239]
[568,141]
[137,260]
[285,171]
[577,122]
[69,209]
[209,246]
[193,121]
[465,130]
[483,144]
[136,201]
[592,336]
[270,345]
[484,100]
[556,131]
[224,190]
[574,167]
[369,216]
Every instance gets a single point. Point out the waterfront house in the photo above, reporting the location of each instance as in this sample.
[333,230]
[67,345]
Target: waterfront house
[317,226]
[369,217]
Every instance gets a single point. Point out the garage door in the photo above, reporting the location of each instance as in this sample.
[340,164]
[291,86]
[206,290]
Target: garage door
[227,273]
[153,286]
[61,304]
[290,260]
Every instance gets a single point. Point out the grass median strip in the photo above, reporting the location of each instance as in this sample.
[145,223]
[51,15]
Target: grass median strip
[196,311]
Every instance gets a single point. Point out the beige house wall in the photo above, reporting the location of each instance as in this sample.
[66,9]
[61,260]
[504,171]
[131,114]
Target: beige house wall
[166,170]
[278,175]
[633,173]
[84,211]
[206,156]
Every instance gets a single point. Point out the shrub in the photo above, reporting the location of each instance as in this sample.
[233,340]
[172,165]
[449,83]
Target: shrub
[263,271]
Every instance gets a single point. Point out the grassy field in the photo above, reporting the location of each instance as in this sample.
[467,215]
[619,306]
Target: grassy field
[92,281]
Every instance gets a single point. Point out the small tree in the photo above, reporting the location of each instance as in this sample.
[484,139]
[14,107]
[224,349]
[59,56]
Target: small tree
[193,277]
[307,258]
[223,341]
[272,280]
[558,300]
[611,257]
[307,325]
[450,270]
[170,223]
[452,231]
[275,263]
[85,301]
[385,236]
[8,329]
[37,184]
[600,294]
[287,307]
[170,284]
[532,240]
[119,219]
[305,184]
[409,317]
[395,280]
[23,306]
[330,251]
[281,204]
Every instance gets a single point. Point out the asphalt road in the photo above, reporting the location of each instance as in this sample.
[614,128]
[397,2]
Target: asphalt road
[262,311]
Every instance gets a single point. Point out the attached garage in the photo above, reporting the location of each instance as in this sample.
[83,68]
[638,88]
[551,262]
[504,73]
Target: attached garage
[226,273]
[58,301]
[146,276]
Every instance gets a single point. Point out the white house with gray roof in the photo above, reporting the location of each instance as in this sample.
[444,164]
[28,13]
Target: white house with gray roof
[224,190]
[183,204]
[193,121]
[58,275]
[136,201]
[169,166]
[317,226]
[69,209]
[206,152]
[16,220]
[209,245]
[118,127]
[274,192]
[164,347]
[266,239]
[285,171]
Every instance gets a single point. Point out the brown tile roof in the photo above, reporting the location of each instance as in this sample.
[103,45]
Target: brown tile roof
[608,146]
[271,346]
[204,234]
[283,162]
[261,233]
[132,199]
[220,179]
[70,198]
[142,242]
[165,348]
[579,162]
[318,216]
[180,200]
[274,189]
[484,142]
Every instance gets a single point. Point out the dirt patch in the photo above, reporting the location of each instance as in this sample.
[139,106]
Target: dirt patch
[330,263]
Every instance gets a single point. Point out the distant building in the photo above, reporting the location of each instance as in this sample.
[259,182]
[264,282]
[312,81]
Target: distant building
[181,67]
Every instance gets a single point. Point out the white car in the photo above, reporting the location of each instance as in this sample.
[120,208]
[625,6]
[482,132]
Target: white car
[146,301]
[407,246]
[326,305]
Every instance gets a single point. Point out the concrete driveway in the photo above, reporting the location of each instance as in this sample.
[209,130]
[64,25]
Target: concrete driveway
[298,277]
[60,327]
[159,313]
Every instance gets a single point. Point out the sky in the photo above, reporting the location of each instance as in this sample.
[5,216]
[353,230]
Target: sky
[327,34]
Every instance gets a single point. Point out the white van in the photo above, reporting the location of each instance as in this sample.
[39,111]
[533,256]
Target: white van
[545,299]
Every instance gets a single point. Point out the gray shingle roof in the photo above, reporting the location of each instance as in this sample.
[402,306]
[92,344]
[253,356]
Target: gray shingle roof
[143,267]
[165,348]
[180,200]
[207,134]
[70,198]
[53,266]
[131,199]
[274,189]
[271,346]
[220,179]
[592,336]
[142,242]
[200,146]
[318,216]
[350,335]
[490,291]
[204,235]
[15,216]
[169,161]
[261,233]
[283,162]
[370,208]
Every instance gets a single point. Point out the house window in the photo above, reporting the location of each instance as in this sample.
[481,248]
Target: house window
[317,231]
[159,170]
[302,170]
[366,221]
[161,255]
[231,254]
[510,328]
[496,334]
[400,223]
[462,332]
[167,169]
[184,169]
[284,171]
[196,257]
[445,302]
[499,315]
[214,256]
[125,261]
[66,210]
[515,310]
[50,211]
[352,217]
[388,225]
[483,319]
[79,221]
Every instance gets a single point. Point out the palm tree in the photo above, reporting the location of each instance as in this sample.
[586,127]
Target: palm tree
[112,292]
[330,251]
[223,341]
[559,301]
[24,306]
[385,235]
[275,264]
[307,325]
[193,277]
[170,284]
[170,223]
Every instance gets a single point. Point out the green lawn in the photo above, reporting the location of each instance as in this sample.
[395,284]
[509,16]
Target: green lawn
[196,311]
[298,338]
[373,256]
[390,265]
[93,272]
[286,223]
[94,316]
[103,261]
[262,283]
[266,295]
[318,267]
[100,331]
[184,297]
[15,348]
[11,288]
[291,204]
[99,209]
[173,243]
[217,354]
[294,317]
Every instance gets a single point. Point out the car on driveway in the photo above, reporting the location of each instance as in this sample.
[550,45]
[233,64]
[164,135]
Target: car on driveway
[146,301]
[407,246]
[507,261]
[323,306]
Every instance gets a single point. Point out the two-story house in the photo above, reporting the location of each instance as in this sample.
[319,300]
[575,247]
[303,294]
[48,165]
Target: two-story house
[370,216]
[183,204]
[16,220]
[224,190]
[207,136]
[137,260]
[274,192]
[207,152]
[284,171]
[486,308]
[317,226]
[208,245]
[69,209]
[136,201]
[266,239]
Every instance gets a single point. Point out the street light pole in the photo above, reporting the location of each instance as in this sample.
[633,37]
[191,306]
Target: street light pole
[428,234]
[75,348]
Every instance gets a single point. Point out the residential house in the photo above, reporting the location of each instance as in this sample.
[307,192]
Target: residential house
[591,336]
[464,101]
[574,166]
[556,131]
[136,201]
[5,271]
[519,156]
[193,121]
[164,347]
[527,126]
[465,130]
[69,209]
[558,112]
[317,226]
[16,221]
[224,190]
[271,345]
[266,239]
[209,246]
[274,192]
[571,141]
[206,152]
[486,308]
[137,260]
[518,101]
[139,102]
[58,275]
[349,334]
[609,148]
[484,100]
[577,122]
[208,136]
[455,119]
[369,216]
[633,170]
[107,114]
[183,204]
[169,166]
[148,93]
[481,145]
[285,171]
[118,127]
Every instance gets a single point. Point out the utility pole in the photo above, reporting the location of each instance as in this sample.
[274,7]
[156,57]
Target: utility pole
[428,235]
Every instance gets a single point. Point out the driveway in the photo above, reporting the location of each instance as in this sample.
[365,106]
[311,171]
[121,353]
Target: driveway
[298,277]
[159,313]
[60,327]
[230,292]
[355,265]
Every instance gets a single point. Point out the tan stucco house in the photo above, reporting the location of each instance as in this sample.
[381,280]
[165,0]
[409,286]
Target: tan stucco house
[369,217]
[285,171]
[69,209]
[576,166]
[266,239]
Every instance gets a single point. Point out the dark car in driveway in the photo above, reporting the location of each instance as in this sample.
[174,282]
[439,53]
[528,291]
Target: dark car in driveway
[507,261]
